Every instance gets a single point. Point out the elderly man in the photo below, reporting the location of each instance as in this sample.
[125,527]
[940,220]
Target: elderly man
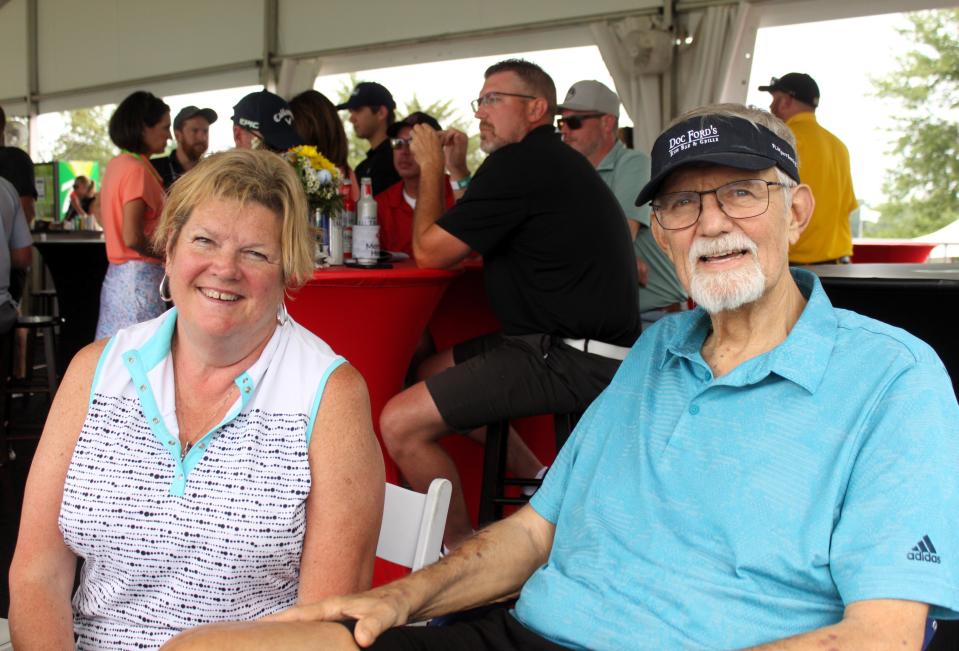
[191,128]
[264,120]
[764,471]
[589,124]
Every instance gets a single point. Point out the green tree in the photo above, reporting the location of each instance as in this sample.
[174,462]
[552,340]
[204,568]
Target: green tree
[86,136]
[923,187]
[443,110]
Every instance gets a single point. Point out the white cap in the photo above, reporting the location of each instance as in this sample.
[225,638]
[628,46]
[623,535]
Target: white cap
[590,95]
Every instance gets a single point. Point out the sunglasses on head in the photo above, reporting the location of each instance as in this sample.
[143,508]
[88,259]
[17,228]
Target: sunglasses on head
[574,122]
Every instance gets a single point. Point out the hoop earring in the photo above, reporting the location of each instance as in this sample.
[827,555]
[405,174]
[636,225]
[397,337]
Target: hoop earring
[165,283]
[282,316]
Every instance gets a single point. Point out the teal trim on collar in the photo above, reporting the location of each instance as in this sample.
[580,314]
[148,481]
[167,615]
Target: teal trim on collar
[96,373]
[158,346]
[315,407]
[151,412]
[802,358]
[200,447]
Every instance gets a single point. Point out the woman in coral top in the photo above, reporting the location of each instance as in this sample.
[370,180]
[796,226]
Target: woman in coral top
[131,199]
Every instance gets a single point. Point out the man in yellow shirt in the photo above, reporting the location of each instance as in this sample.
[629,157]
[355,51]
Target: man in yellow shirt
[823,165]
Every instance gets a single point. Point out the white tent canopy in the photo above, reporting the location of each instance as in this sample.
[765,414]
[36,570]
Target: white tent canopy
[58,55]
[946,237]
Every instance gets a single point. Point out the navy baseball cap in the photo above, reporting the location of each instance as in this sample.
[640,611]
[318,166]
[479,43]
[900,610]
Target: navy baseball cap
[795,84]
[368,93]
[269,115]
[717,140]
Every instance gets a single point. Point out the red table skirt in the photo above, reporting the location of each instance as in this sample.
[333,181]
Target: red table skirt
[374,318]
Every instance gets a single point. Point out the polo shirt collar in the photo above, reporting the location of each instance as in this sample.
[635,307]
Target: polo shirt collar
[144,366]
[544,131]
[612,157]
[802,358]
[804,116]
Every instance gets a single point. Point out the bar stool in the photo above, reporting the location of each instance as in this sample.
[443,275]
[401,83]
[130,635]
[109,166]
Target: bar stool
[45,302]
[493,495]
[38,327]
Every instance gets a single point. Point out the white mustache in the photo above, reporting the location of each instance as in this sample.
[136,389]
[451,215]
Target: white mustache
[728,243]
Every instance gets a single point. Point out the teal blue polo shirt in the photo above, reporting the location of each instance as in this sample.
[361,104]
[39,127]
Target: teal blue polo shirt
[700,512]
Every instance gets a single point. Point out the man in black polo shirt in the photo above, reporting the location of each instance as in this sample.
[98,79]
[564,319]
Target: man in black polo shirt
[560,275]
[371,109]
[191,128]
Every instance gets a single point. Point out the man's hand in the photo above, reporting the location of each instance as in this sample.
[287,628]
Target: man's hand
[427,149]
[642,272]
[454,151]
[375,611]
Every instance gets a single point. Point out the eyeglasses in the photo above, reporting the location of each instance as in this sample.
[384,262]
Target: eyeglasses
[494,98]
[738,200]
[400,143]
[574,122]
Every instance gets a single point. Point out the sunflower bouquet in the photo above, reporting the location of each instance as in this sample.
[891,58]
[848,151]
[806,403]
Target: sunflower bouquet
[320,178]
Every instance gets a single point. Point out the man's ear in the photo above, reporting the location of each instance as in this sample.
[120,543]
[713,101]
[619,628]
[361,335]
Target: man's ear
[659,234]
[537,109]
[800,211]
[382,113]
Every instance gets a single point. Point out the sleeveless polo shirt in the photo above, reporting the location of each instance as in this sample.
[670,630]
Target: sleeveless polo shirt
[168,543]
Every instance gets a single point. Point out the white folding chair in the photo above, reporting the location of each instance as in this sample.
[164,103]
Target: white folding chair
[5,636]
[412,531]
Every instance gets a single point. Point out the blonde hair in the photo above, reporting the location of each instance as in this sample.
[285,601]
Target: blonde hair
[246,176]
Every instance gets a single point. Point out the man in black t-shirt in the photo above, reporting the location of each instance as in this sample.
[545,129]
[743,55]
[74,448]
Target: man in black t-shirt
[371,108]
[17,167]
[559,271]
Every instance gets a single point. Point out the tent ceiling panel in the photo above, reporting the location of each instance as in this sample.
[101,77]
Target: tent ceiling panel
[13,49]
[463,48]
[175,85]
[775,12]
[313,28]
[108,41]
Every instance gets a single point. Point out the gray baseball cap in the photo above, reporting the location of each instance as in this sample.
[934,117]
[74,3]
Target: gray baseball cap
[590,95]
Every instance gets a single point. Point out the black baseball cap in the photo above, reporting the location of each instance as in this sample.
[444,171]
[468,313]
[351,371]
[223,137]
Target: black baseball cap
[269,115]
[189,112]
[717,140]
[411,120]
[368,93]
[796,84]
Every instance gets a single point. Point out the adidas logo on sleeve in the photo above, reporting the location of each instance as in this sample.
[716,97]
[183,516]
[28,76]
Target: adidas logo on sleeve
[924,551]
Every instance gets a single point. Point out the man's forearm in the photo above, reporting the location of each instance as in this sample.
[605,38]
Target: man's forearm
[866,626]
[429,206]
[491,565]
